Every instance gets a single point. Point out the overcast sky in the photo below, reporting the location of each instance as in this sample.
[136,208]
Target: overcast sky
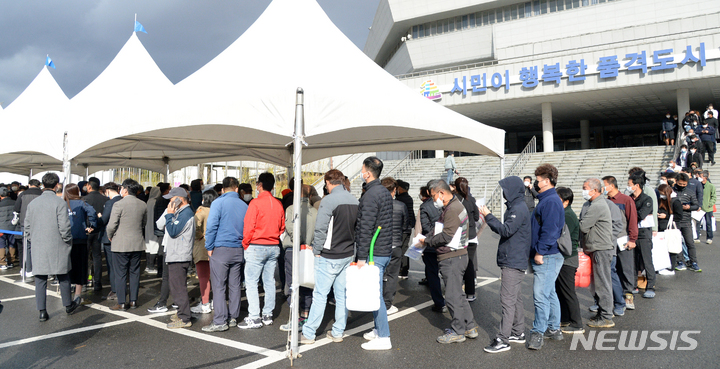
[82,36]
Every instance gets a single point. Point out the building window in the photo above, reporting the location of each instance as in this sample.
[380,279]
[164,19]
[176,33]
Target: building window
[585,3]
[492,17]
[421,30]
[575,3]
[415,32]
[506,12]
[543,6]
[514,12]
[536,7]
[485,18]
[552,6]
[471,18]
[528,9]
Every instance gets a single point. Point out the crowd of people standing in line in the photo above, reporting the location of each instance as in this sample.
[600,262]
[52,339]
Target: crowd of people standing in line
[701,134]
[233,239]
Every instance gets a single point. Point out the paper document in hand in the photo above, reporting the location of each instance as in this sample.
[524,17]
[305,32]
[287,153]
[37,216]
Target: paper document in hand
[480,202]
[698,215]
[622,243]
[648,222]
[416,249]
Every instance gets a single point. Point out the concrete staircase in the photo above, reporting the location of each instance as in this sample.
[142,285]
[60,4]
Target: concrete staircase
[574,168]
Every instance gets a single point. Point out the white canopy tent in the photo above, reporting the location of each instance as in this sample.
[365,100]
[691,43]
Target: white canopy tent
[35,112]
[240,106]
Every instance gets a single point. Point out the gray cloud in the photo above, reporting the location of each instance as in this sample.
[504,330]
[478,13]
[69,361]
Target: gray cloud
[82,37]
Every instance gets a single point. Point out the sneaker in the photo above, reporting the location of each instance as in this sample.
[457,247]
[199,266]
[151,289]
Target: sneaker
[158,308]
[201,309]
[697,240]
[536,341]
[573,330]
[629,301]
[402,277]
[594,308]
[451,337]
[708,241]
[179,324]
[471,298]
[73,306]
[392,310]
[174,306]
[304,340]
[440,309]
[497,345]
[267,319]
[554,334]
[666,272]
[636,291]
[174,317]
[694,267]
[28,275]
[619,311]
[680,266]
[249,323]
[151,271]
[517,338]
[330,336]
[564,324]
[423,282]
[215,328]
[381,343]
[288,326]
[472,333]
[3,267]
[649,294]
[11,265]
[600,322]
[371,335]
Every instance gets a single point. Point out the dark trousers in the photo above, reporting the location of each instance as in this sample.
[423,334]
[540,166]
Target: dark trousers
[110,266]
[431,274]
[25,260]
[626,270]
[569,303]
[405,261]
[178,288]
[95,248]
[127,266]
[284,280]
[390,277]
[306,294]
[617,289]
[452,271]
[709,225]
[470,274]
[41,290]
[225,265]
[165,286]
[643,258]
[513,312]
[686,230]
[602,281]
[708,146]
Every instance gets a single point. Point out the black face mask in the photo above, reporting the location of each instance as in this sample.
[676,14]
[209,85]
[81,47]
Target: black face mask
[680,188]
[535,186]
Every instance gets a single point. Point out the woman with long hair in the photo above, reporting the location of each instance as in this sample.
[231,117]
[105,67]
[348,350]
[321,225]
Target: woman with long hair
[668,206]
[83,220]
[462,189]
[200,254]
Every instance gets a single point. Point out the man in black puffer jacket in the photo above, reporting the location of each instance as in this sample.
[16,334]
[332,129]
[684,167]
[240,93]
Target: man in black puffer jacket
[400,225]
[512,258]
[375,211]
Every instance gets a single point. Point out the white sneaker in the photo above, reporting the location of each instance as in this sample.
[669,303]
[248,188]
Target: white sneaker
[381,343]
[201,309]
[371,335]
[212,307]
[666,272]
[708,241]
[28,274]
[392,310]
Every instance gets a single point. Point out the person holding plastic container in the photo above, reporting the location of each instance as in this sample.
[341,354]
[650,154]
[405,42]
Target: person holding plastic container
[375,210]
[450,241]
[333,245]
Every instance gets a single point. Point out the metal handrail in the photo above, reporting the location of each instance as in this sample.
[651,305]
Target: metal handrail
[494,202]
[350,159]
[403,164]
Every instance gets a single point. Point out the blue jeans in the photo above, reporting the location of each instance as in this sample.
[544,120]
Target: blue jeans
[449,175]
[260,261]
[617,288]
[380,316]
[329,273]
[547,305]
[708,225]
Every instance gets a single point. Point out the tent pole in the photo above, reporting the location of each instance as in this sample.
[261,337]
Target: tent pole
[87,172]
[502,175]
[299,138]
[66,161]
[30,175]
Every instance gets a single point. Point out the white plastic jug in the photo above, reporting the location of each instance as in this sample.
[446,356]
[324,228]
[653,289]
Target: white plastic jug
[306,267]
[362,288]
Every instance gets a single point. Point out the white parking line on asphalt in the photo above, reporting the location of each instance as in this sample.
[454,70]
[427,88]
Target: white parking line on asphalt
[63,333]
[17,298]
[365,327]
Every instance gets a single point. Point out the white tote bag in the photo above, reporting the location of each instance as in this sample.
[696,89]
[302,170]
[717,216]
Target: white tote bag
[673,237]
[660,256]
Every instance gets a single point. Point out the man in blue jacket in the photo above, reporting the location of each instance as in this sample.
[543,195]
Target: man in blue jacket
[547,223]
[223,240]
[512,258]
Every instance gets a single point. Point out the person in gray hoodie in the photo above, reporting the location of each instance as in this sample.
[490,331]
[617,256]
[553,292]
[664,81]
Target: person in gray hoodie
[512,258]
[180,236]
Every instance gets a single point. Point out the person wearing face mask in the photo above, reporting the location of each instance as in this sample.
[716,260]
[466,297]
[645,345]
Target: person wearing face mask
[709,110]
[530,193]
[668,207]
[644,206]
[429,214]
[707,138]
[697,187]
[375,210]
[681,160]
[673,167]
[668,130]
[709,198]
[693,141]
[547,222]
[690,203]
[246,193]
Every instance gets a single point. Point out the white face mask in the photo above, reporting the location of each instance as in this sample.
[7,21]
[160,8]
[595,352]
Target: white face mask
[667,116]
[629,189]
[692,151]
[662,182]
[527,183]
[605,191]
[586,195]
[247,197]
[439,203]
[663,197]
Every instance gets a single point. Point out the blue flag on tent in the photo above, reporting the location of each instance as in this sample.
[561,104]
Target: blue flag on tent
[50,63]
[139,27]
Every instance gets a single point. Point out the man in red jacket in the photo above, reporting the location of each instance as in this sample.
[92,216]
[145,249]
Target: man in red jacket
[264,223]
